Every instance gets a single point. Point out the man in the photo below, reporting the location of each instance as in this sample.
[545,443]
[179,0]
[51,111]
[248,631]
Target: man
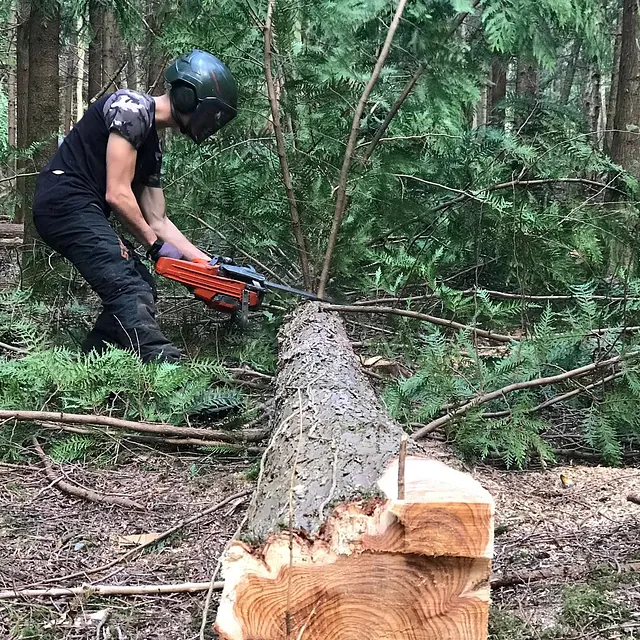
[110,162]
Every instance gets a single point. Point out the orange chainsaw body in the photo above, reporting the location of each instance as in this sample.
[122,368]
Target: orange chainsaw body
[208,283]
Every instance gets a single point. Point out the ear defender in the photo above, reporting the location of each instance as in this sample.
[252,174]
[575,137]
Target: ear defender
[184,98]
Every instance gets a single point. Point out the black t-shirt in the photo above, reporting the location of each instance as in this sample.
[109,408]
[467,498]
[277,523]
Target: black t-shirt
[76,176]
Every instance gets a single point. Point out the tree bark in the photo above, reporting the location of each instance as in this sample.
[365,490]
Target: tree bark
[567,85]
[11,84]
[593,106]
[111,54]
[43,108]
[330,550]
[625,146]
[22,87]
[613,90]
[497,94]
[80,79]
[96,21]
[526,90]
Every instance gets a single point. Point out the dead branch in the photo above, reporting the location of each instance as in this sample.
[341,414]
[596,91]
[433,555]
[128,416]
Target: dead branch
[10,347]
[481,333]
[560,398]
[298,233]
[174,442]
[111,81]
[632,497]
[110,590]
[341,195]
[518,386]
[78,492]
[144,427]
[163,536]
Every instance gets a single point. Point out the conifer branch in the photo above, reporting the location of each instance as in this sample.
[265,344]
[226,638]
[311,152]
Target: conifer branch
[341,195]
[519,386]
[405,93]
[301,242]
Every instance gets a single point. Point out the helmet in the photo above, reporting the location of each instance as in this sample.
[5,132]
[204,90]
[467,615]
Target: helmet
[202,87]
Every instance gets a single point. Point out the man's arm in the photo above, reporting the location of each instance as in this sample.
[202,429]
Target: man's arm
[121,167]
[152,205]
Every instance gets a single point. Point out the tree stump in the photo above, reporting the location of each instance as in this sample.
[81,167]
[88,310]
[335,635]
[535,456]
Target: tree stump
[329,551]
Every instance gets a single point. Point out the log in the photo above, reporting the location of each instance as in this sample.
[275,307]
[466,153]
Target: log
[328,549]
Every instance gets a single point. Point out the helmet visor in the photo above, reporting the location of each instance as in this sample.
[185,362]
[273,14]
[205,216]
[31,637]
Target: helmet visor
[210,116]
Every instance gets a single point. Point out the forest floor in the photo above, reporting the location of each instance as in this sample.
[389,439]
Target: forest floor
[588,527]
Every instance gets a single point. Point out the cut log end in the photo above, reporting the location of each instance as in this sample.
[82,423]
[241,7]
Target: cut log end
[407,569]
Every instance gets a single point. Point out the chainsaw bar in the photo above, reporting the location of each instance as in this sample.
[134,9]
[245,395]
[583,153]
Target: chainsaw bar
[296,292]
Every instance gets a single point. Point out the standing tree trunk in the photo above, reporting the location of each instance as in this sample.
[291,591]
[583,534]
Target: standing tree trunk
[526,90]
[345,542]
[22,89]
[69,65]
[11,84]
[613,90]
[110,52]
[96,21]
[80,80]
[567,85]
[625,144]
[132,70]
[43,107]
[495,98]
[594,105]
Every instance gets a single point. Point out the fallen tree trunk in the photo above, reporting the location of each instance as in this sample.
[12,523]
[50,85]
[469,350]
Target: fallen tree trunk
[328,550]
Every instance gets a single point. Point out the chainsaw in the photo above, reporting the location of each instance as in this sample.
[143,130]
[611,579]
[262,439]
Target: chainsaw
[224,285]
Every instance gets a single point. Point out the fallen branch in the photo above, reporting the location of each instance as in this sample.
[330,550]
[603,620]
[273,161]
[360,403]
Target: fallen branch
[632,497]
[10,347]
[560,398]
[163,536]
[144,427]
[78,492]
[481,333]
[518,386]
[341,195]
[191,442]
[301,242]
[110,590]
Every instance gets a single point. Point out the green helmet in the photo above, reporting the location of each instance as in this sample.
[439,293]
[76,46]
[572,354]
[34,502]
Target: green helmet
[202,87]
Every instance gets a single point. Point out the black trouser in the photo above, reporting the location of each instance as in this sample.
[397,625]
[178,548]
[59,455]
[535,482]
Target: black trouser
[115,273]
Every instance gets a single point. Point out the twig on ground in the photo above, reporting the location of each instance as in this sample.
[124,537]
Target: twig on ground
[145,427]
[142,547]
[109,590]
[529,384]
[402,459]
[442,322]
[77,492]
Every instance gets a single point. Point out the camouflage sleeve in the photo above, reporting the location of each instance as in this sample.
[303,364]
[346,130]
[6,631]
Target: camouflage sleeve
[130,114]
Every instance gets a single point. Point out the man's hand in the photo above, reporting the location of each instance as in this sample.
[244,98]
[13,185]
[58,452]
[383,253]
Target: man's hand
[160,249]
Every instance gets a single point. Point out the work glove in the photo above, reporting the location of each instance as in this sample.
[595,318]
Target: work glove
[160,249]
